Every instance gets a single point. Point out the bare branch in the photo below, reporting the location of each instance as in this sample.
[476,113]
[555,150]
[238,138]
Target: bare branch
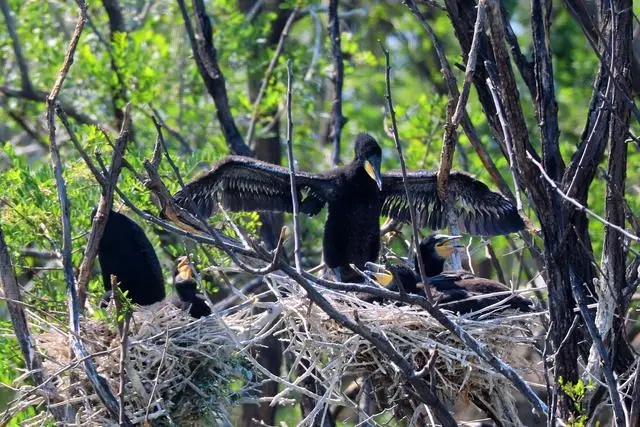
[403,168]
[204,53]
[454,117]
[32,361]
[183,142]
[267,75]
[581,207]
[104,206]
[17,47]
[292,170]
[40,96]
[546,105]
[76,143]
[507,135]
[602,351]
[337,78]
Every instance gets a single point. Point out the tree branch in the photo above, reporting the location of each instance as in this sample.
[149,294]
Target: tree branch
[26,342]
[17,47]
[104,206]
[204,53]
[267,75]
[337,78]
[602,351]
[546,105]
[40,96]
[292,170]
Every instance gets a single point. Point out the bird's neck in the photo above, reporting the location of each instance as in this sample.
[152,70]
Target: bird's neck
[432,266]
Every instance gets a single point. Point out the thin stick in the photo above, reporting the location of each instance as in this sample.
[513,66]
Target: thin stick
[577,204]
[506,133]
[104,205]
[337,120]
[403,166]
[21,329]
[292,173]
[267,75]
[618,410]
[454,115]
[123,357]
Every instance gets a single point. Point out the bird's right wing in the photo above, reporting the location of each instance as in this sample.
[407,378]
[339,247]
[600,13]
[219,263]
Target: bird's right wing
[245,184]
[476,209]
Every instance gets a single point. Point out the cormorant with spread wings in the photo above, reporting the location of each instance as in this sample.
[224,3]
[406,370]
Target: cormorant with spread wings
[356,195]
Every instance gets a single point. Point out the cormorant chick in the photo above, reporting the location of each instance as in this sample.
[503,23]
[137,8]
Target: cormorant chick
[452,289]
[187,288]
[125,252]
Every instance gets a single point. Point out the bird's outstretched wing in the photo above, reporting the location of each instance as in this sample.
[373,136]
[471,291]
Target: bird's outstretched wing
[478,210]
[245,184]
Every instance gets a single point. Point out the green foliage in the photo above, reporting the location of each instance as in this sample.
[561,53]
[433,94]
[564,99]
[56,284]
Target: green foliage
[577,393]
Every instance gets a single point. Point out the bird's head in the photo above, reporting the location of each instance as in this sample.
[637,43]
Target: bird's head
[183,281]
[183,269]
[379,273]
[441,245]
[369,153]
[434,250]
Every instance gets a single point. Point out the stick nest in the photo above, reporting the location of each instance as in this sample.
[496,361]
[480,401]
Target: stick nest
[338,356]
[178,370]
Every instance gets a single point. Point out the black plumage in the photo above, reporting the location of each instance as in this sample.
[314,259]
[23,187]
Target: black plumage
[125,252]
[187,291]
[356,195]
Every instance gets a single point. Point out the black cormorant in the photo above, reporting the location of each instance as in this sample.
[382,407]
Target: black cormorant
[356,195]
[125,252]
[187,289]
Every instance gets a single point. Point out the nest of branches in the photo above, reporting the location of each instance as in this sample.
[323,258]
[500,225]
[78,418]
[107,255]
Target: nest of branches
[334,356]
[177,370]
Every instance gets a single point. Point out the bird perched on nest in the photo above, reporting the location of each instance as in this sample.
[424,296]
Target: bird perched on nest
[459,291]
[356,195]
[125,251]
[187,288]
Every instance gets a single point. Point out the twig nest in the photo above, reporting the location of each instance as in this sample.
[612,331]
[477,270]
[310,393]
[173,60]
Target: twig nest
[177,369]
[339,356]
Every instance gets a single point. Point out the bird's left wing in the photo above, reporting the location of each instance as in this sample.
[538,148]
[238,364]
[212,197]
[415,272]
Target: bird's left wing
[476,209]
[245,184]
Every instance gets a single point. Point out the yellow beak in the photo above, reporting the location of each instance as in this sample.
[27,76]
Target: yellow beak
[446,246]
[385,278]
[372,167]
[184,269]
